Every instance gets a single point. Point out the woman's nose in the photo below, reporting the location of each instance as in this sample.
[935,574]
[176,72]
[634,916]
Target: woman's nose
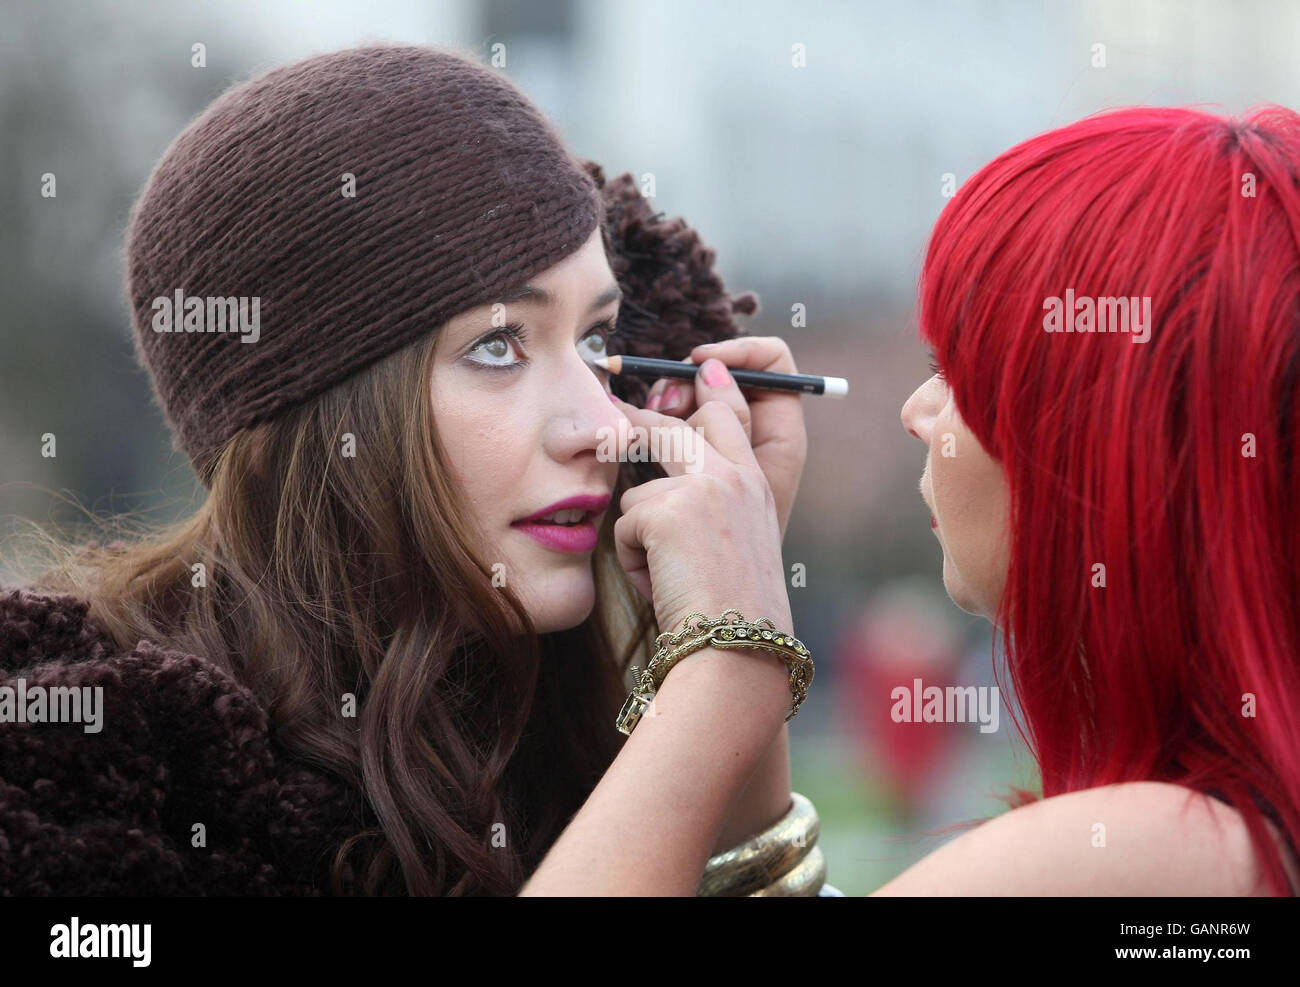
[917,416]
[582,417]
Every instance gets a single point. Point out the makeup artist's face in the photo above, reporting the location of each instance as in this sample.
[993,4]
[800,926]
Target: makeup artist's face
[519,411]
[966,492]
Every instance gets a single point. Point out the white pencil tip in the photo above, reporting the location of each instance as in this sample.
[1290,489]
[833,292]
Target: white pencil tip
[835,387]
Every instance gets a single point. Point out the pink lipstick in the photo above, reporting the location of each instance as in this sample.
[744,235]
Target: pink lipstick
[568,525]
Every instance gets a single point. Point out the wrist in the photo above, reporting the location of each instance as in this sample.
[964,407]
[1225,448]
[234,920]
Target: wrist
[760,678]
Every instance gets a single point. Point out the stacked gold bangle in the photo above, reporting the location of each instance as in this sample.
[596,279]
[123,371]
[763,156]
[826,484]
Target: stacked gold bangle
[716,632]
[783,861]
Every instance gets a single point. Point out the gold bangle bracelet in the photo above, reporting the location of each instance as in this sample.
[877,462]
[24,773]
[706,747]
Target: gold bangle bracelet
[766,858]
[805,880]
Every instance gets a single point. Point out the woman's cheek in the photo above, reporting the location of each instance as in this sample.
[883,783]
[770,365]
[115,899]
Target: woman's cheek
[970,499]
[491,450]
[483,444]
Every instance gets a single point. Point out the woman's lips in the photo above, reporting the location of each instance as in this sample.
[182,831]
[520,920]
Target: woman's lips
[934,523]
[580,537]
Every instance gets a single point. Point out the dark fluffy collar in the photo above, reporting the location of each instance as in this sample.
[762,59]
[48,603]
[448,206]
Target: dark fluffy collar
[182,790]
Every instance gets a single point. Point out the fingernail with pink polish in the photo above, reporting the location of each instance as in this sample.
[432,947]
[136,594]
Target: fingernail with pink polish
[715,372]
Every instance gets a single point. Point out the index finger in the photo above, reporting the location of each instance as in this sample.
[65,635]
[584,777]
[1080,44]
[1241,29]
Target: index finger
[679,448]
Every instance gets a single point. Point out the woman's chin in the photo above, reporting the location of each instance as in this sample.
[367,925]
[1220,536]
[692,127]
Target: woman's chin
[565,602]
[960,592]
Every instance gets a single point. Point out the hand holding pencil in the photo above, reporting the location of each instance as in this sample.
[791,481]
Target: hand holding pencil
[772,418]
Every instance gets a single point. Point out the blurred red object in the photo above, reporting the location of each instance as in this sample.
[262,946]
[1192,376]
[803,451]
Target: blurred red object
[900,635]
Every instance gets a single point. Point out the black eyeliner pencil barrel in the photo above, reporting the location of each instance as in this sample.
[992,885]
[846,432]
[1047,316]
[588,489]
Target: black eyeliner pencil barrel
[644,366]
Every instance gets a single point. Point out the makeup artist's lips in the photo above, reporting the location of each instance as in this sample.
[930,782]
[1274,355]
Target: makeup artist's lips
[579,537]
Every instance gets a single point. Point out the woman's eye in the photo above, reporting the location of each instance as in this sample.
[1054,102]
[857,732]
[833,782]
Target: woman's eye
[497,348]
[592,345]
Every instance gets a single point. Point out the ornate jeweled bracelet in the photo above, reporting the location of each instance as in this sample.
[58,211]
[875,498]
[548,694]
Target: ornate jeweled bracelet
[716,632]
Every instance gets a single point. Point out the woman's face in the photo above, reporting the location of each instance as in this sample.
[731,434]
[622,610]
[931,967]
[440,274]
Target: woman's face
[520,413]
[966,492]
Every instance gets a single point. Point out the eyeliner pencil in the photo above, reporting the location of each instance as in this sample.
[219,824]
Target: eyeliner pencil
[644,366]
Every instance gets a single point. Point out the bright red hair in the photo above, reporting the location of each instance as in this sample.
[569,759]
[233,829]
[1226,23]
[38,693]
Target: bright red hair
[1134,455]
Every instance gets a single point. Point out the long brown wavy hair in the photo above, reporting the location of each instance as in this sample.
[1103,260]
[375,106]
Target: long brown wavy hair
[330,575]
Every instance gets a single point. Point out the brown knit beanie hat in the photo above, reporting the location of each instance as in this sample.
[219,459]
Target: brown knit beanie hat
[327,213]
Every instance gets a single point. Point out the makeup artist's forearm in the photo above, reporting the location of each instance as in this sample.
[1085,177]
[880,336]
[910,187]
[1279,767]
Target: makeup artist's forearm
[651,823]
[766,795]
[764,799]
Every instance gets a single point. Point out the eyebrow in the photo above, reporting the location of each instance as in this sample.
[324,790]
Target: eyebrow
[531,294]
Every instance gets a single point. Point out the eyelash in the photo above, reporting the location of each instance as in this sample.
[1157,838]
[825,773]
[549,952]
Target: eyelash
[518,332]
[934,368]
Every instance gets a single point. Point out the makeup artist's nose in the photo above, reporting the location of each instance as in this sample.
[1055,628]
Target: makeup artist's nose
[580,414]
[918,414]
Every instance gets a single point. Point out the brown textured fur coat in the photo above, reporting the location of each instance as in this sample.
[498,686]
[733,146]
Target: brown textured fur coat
[182,744]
